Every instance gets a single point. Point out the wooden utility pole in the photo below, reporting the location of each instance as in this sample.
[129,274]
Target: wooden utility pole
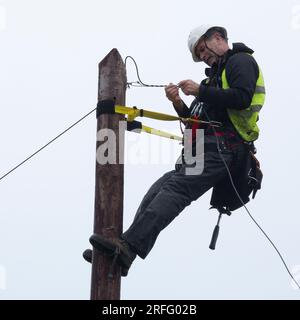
[108,216]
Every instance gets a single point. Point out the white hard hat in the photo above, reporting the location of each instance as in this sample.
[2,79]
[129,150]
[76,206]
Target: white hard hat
[197,33]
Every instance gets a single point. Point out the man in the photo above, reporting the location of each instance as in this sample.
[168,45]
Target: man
[231,96]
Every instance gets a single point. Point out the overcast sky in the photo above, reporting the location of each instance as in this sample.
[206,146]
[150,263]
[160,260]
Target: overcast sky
[50,52]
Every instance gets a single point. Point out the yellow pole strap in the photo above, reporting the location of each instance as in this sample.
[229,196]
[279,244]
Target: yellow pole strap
[161,133]
[138,127]
[134,112]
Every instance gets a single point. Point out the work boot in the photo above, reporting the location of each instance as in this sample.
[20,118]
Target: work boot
[115,246]
[88,256]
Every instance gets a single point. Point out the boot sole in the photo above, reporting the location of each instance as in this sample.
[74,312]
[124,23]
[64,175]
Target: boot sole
[88,256]
[106,246]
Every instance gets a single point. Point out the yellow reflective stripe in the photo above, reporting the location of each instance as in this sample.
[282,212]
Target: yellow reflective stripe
[256,107]
[249,111]
[161,133]
[260,89]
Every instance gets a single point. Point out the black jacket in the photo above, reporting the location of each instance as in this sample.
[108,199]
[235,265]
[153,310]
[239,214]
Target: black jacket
[242,73]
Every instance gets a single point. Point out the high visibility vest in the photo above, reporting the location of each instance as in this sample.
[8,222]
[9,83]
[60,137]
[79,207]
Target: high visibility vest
[245,120]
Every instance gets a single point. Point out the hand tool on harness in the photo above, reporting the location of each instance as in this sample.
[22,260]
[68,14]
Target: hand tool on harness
[215,234]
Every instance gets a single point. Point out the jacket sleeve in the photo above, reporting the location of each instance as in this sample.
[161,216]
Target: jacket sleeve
[242,73]
[184,112]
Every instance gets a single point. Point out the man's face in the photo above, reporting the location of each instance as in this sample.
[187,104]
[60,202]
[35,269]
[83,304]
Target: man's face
[205,54]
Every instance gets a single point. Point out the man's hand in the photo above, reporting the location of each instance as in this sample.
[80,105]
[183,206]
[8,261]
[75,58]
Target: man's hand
[172,93]
[189,87]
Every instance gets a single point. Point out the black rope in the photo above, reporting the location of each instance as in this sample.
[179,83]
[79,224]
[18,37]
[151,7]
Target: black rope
[140,83]
[242,202]
[47,144]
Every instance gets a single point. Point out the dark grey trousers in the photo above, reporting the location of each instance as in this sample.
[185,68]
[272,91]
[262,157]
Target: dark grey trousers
[174,191]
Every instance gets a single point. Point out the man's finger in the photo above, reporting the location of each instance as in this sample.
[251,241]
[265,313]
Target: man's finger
[182,83]
[174,88]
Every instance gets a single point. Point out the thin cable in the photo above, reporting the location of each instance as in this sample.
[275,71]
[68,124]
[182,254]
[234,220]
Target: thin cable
[244,205]
[140,82]
[47,144]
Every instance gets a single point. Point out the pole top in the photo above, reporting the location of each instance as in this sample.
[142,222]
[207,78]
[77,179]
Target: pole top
[112,56]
